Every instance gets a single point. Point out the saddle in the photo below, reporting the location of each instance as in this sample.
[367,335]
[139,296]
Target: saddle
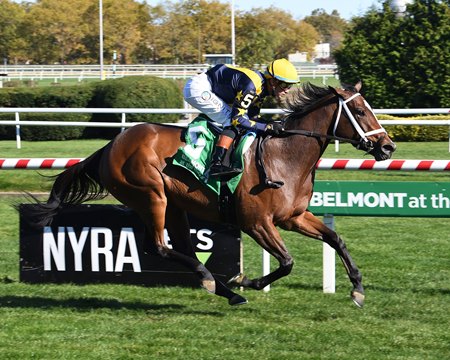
[200,137]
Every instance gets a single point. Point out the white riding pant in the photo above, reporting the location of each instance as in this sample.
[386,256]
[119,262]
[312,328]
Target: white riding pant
[198,93]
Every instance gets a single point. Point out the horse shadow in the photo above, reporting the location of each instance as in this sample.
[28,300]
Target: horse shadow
[377,288]
[94,303]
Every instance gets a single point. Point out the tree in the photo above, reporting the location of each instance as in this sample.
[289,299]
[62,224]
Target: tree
[331,27]
[265,34]
[68,31]
[55,30]
[12,44]
[404,61]
[149,20]
[121,29]
[183,31]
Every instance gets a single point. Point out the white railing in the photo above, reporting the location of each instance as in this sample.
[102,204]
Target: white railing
[80,72]
[124,111]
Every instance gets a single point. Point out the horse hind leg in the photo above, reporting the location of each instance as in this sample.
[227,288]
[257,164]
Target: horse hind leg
[145,194]
[155,221]
[179,232]
[150,203]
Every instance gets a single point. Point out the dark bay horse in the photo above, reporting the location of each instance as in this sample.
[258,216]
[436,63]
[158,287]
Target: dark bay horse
[136,169]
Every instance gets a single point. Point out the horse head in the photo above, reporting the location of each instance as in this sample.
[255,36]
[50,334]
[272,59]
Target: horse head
[356,121]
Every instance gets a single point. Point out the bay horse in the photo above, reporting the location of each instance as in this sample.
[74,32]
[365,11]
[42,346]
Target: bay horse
[136,169]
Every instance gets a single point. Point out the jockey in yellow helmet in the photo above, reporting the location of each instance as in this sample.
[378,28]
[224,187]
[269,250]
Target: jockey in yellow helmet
[232,97]
[281,74]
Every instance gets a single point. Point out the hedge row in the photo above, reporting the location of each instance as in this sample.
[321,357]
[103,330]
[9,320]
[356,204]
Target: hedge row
[130,92]
[417,132]
[137,92]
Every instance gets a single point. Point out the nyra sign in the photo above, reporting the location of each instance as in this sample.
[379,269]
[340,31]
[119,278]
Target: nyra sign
[93,243]
[100,240]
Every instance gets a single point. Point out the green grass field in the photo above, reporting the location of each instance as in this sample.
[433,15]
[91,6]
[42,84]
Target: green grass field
[405,265]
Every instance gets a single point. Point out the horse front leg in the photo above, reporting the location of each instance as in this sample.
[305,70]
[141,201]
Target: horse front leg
[268,237]
[309,225]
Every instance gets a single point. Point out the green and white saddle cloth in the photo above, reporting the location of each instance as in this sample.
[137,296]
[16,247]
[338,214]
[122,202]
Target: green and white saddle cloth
[196,155]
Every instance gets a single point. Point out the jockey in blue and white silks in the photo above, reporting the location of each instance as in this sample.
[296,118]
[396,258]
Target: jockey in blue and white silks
[232,97]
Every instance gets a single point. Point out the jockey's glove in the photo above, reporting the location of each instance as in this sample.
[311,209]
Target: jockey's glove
[274,128]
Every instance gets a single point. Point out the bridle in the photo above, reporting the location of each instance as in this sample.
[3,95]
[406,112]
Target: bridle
[363,143]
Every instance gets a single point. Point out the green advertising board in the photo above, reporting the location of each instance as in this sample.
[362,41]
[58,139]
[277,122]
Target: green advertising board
[381,198]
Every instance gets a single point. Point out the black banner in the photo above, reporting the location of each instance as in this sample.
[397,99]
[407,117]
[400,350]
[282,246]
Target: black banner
[106,243]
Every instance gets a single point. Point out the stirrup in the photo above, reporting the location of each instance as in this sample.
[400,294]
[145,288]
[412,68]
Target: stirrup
[273,184]
[222,170]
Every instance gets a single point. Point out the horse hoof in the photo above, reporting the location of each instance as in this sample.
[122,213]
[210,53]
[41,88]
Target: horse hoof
[358,298]
[237,300]
[209,286]
[236,280]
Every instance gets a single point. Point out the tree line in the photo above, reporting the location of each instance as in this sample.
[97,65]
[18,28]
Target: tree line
[67,32]
[403,59]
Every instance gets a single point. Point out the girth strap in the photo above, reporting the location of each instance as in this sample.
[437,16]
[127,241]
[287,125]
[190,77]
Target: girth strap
[261,167]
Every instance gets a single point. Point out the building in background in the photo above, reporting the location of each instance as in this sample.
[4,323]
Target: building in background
[214,59]
[321,51]
[298,57]
[399,6]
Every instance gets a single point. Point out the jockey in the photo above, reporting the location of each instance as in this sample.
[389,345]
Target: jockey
[232,97]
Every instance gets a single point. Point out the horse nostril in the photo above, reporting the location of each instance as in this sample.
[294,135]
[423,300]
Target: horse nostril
[389,148]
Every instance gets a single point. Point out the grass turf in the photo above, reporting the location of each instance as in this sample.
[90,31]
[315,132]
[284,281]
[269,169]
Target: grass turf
[405,266]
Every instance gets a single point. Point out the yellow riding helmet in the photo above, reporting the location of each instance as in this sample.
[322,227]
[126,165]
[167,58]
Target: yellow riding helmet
[283,70]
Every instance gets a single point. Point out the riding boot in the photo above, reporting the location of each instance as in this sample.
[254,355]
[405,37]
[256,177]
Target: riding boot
[217,167]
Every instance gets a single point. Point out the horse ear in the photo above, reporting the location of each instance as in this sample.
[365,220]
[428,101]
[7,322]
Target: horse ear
[333,90]
[358,85]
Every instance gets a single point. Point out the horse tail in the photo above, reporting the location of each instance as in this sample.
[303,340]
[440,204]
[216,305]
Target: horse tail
[78,184]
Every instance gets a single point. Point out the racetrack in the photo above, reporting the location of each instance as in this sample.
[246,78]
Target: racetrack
[405,267]
[406,271]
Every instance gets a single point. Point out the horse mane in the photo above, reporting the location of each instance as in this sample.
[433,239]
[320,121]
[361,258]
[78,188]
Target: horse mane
[303,97]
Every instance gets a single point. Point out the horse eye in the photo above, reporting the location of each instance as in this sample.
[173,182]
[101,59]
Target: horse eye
[359,112]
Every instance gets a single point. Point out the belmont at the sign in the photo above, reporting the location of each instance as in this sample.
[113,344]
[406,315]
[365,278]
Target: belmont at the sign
[381,198]
[361,199]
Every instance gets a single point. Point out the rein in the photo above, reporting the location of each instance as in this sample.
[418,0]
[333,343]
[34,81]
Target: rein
[363,143]
[318,136]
